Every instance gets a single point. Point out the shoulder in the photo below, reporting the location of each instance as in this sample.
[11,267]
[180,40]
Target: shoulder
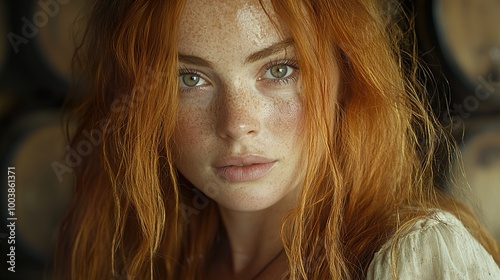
[435,247]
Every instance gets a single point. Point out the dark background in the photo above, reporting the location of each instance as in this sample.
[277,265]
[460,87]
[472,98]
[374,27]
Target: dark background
[459,41]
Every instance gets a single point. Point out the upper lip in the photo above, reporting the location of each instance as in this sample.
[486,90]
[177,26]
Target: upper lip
[243,160]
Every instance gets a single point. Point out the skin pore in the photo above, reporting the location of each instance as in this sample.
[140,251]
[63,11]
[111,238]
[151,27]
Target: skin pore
[239,128]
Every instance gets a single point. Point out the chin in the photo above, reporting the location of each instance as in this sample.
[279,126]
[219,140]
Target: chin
[248,201]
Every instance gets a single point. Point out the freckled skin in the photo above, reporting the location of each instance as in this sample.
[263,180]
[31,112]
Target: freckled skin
[235,111]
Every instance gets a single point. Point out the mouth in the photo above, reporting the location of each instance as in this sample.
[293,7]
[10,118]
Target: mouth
[247,168]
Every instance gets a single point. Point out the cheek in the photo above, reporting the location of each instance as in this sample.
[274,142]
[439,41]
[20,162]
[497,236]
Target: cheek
[288,120]
[193,127]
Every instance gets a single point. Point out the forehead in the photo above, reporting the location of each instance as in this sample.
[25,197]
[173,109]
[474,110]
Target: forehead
[221,24]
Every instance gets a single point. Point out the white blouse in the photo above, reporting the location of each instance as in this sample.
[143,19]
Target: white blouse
[438,247]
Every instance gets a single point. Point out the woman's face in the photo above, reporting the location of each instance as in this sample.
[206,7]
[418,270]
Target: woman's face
[240,117]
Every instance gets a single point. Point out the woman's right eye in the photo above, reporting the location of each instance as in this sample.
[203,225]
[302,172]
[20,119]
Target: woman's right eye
[188,80]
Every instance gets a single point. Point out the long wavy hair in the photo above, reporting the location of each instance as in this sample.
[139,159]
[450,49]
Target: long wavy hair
[371,150]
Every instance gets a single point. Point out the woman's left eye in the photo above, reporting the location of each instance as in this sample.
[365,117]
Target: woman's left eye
[279,71]
[191,79]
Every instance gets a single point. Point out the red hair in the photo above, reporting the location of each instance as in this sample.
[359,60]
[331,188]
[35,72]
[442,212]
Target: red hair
[370,150]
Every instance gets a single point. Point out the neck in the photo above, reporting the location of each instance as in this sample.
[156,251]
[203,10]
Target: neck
[253,238]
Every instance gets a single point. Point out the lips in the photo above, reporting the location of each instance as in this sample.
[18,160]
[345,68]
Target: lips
[243,168]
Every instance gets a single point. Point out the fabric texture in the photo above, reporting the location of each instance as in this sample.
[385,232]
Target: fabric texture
[437,247]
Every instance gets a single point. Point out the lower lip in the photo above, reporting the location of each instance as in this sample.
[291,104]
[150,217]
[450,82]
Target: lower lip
[238,174]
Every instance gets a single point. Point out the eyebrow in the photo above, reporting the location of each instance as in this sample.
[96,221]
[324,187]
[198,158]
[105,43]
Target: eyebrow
[195,60]
[256,56]
[275,48]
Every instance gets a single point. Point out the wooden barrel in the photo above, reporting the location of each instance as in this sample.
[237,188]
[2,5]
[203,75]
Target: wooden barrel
[56,40]
[47,33]
[481,167]
[469,37]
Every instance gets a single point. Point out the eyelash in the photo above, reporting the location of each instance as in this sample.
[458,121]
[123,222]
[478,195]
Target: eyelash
[186,71]
[283,81]
[287,62]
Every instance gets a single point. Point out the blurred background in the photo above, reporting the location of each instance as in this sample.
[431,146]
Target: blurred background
[458,39]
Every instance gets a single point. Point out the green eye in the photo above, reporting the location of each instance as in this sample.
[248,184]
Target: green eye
[279,71]
[190,80]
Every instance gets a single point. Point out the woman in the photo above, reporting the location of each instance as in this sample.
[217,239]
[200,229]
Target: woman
[264,139]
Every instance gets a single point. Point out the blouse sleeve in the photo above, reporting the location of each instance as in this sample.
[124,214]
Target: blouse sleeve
[439,247]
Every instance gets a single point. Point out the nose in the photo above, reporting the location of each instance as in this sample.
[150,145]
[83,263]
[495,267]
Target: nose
[238,115]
